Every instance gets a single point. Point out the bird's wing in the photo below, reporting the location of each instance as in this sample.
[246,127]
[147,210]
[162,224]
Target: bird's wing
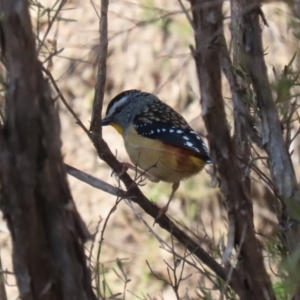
[185,138]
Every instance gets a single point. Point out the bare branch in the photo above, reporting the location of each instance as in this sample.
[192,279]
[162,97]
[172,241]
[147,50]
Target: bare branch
[65,102]
[95,182]
[186,13]
[101,75]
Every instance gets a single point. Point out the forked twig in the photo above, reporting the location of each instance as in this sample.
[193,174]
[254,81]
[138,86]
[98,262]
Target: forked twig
[50,24]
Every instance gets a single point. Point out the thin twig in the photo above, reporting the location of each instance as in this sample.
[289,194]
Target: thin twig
[231,266]
[164,245]
[90,257]
[288,122]
[51,22]
[98,271]
[65,102]
[230,242]
[95,9]
[296,134]
[156,275]
[186,14]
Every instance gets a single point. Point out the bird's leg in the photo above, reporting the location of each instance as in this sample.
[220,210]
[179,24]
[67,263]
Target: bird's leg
[127,166]
[165,208]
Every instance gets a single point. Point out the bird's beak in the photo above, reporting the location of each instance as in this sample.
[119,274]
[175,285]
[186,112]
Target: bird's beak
[106,121]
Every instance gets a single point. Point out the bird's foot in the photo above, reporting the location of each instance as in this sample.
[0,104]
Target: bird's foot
[162,211]
[125,168]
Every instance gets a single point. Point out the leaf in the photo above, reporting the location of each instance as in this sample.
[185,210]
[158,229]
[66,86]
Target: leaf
[65,19]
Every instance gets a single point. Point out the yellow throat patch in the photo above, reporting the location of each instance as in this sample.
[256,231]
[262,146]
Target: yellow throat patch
[117,127]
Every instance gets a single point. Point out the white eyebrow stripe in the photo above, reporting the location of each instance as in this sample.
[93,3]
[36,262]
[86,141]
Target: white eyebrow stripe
[117,104]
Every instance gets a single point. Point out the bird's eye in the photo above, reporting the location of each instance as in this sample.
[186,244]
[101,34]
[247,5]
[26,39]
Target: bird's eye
[118,109]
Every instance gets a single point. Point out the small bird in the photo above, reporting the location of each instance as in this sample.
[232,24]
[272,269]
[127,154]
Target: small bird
[157,139]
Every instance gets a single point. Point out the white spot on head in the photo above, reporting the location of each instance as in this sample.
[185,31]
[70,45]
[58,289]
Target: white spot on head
[163,129]
[171,130]
[117,104]
[189,144]
[186,137]
[179,131]
[151,132]
[158,130]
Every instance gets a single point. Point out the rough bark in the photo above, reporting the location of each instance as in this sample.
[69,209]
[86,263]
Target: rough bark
[47,232]
[207,17]
[246,29]
[96,126]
